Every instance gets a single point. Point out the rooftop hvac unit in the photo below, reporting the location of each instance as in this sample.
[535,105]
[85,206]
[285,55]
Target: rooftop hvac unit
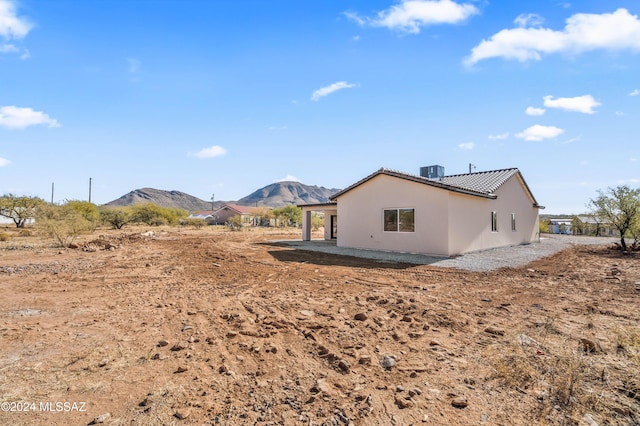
[432,172]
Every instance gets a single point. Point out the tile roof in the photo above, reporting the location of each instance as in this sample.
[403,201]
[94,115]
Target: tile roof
[485,182]
[480,184]
[237,208]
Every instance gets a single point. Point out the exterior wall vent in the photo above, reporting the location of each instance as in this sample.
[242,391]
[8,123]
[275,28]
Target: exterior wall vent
[434,172]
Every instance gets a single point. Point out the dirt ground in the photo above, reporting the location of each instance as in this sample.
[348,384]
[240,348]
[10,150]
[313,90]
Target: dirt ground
[186,326]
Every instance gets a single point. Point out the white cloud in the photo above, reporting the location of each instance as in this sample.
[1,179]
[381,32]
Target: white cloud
[289,178]
[410,15]
[535,111]
[4,162]
[583,32]
[620,113]
[636,92]
[584,104]
[211,152]
[633,159]
[499,137]
[529,20]
[14,117]
[584,163]
[538,133]
[327,90]
[11,25]
[467,146]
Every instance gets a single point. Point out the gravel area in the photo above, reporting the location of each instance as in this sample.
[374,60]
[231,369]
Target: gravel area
[485,260]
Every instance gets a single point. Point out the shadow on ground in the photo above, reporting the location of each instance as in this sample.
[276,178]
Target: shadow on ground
[298,255]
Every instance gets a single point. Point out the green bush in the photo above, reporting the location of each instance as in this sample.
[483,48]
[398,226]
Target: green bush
[116,217]
[154,215]
[196,223]
[62,223]
[87,210]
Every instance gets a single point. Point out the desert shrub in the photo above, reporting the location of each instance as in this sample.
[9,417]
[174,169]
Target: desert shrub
[4,236]
[235,223]
[544,226]
[87,210]
[154,215]
[62,223]
[569,378]
[317,222]
[116,217]
[24,233]
[628,342]
[193,222]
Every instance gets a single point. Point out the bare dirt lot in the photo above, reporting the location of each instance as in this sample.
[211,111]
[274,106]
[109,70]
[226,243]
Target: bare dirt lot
[218,327]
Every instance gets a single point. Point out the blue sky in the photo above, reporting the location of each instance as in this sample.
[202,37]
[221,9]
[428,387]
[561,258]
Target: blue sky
[225,97]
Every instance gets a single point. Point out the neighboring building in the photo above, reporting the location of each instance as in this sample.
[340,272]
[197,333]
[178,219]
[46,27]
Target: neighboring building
[591,225]
[226,212]
[431,213]
[206,215]
[562,225]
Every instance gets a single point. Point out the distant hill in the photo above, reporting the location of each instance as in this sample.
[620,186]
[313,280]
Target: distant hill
[162,198]
[281,194]
[277,194]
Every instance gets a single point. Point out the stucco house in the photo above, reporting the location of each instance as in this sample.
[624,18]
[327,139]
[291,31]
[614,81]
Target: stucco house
[430,213]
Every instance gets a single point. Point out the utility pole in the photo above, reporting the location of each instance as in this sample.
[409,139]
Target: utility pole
[52,192]
[471,167]
[89,190]
[213,196]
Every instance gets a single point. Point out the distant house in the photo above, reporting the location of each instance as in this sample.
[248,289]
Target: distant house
[561,225]
[431,213]
[206,215]
[226,212]
[591,225]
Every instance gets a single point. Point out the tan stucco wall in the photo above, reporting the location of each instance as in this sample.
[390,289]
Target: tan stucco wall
[360,216]
[446,223]
[470,224]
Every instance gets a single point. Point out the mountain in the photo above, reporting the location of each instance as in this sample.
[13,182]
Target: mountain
[277,194]
[162,198]
[280,194]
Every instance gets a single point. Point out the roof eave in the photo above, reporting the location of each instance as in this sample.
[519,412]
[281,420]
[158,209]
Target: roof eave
[416,179]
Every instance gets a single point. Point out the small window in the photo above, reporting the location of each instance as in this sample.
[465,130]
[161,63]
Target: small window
[399,220]
[513,221]
[494,222]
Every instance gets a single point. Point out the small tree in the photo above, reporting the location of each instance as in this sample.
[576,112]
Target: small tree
[19,209]
[116,217]
[544,226]
[154,215]
[62,223]
[262,216]
[619,206]
[289,214]
[87,210]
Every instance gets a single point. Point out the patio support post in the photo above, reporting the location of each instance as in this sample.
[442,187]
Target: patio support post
[306,225]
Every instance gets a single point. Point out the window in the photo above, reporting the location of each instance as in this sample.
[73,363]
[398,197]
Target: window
[494,222]
[513,221]
[399,220]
